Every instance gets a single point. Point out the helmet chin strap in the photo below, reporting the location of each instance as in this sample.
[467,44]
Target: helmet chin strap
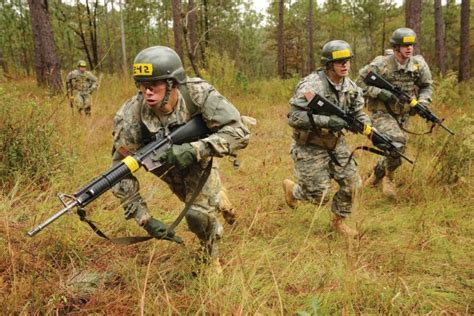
[169,88]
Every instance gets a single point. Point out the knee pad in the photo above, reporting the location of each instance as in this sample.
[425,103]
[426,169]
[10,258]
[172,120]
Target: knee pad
[205,226]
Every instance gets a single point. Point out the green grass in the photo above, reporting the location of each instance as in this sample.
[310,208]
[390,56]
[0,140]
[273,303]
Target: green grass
[414,256]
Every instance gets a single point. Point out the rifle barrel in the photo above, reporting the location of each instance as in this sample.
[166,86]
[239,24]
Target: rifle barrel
[41,226]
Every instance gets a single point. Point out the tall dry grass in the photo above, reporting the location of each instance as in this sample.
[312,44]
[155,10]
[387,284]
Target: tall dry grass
[414,256]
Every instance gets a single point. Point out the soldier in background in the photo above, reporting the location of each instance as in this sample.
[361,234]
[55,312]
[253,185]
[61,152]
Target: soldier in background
[166,99]
[389,115]
[322,154]
[80,84]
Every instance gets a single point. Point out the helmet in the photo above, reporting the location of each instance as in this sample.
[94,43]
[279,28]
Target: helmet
[403,36]
[335,50]
[81,63]
[158,63]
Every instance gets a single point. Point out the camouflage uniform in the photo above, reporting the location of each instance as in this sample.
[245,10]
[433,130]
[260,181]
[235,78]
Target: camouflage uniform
[135,120]
[314,152]
[82,85]
[414,78]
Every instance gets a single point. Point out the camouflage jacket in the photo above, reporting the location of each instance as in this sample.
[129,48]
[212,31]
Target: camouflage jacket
[83,82]
[135,118]
[414,78]
[348,97]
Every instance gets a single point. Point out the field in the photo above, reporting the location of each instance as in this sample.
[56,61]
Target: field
[414,256]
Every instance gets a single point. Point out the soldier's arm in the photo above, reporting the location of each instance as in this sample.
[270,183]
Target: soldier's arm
[221,116]
[369,91]
[424,83]
[357,107]
[93,82]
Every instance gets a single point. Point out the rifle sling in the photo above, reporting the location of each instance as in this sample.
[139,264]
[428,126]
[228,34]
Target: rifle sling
[389,110]
[136,239]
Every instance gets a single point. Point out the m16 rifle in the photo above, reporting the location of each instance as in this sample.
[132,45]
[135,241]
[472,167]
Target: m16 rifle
[387,147]
[376,80]
[147,156]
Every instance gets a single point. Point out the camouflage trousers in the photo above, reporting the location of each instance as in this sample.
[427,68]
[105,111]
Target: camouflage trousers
[82,102]
[315,168]
[387,124]
[202,215]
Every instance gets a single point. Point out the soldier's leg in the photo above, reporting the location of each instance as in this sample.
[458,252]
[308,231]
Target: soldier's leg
[87,104]
[349,182]
[312,171]
[78,102]
[388,125]
[202,216]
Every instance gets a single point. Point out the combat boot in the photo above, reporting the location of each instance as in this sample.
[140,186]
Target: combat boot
[388,186]
[288,187]
[226,208]
[337,223]
[373,180]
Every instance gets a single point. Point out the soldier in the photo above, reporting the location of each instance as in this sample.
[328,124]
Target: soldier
[389,115]
[167,99]
[322,154]
[80,84]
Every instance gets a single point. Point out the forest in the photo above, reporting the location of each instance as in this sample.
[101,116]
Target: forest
[412,256]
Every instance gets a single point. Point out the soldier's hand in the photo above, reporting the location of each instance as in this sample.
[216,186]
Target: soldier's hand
[159,230]
[336,123]
[181,156]
[386,96]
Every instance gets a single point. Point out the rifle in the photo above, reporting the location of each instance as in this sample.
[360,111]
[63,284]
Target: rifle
[321,105]
[376,80]
[146,156]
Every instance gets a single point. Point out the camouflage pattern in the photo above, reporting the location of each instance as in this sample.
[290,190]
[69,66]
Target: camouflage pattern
[414,78]
[314,167]
[82,85]
[230,135]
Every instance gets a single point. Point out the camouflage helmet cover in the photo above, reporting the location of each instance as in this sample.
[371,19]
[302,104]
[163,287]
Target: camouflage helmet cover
[403,36]
[158,63]
[81,63]
[335,50]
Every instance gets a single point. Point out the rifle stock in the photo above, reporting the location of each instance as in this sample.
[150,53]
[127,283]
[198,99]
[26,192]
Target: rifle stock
[193,130]
[376,80]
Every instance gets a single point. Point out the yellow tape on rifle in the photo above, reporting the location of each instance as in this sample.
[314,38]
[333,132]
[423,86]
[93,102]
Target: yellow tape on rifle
[413,102]
[131,163]
[367,130]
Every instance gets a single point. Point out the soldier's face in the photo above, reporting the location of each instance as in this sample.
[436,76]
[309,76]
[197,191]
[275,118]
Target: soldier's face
[342,67]
[406,51]
[154,93]
[82,69]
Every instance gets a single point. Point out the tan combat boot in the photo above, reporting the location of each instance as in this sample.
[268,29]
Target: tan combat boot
[388,186]
[337,223]
[226,208]
[288,187]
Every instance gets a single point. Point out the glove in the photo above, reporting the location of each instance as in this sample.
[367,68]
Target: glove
[158,229]
[181,156]
[386,96]
[336,123]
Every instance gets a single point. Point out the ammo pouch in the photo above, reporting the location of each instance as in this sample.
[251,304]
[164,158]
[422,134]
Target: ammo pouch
[323,138]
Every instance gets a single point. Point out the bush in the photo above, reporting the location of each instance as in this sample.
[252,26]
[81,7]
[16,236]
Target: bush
[28,141]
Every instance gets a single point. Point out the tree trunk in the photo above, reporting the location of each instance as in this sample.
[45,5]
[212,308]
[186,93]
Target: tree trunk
[190,35]
[413,20]
[464,63]
[177,28]
[122,33]
[310,37]
[48,69]
[440,48]
[280,40]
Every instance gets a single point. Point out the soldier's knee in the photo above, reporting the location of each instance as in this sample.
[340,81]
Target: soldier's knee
[204,225]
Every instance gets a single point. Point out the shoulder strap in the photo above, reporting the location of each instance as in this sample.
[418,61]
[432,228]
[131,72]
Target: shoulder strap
[192,107]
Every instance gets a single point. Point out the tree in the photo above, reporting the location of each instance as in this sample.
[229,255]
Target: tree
[440,48]
[190,35]
[464,63]
[310,36]
[177,28]
[413,20]
[48,69]
[280,40]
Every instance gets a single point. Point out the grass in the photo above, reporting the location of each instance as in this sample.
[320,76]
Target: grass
[414,256]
